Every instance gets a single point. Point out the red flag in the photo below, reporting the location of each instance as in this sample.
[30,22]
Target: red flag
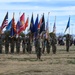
[40,22]
[22,23]
[13,27]
[26,24]
[13,23]
[22,19]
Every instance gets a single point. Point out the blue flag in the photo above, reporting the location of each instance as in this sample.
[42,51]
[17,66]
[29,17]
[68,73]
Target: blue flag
[42,27]
[32,29]
[9,26]
[36,24]
[18,26]
[12,32]
[68,24]
[13,27]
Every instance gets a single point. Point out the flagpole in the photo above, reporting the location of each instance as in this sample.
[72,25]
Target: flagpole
[69,30]
[17,29]
[47,33]
[55,24]
[48,21]
[69,27]
[12,20]
[24,22]
[24,30]
[54,27]
[48,17]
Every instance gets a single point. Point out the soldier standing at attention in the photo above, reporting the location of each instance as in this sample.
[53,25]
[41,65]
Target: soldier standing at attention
[12,43]
[29,47]
[43,43]
[38,47]
[0,45]
[48,45]
[67,42]
[17,44]
[6,45]
[23,45]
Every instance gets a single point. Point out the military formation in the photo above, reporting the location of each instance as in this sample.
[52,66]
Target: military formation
[40,43]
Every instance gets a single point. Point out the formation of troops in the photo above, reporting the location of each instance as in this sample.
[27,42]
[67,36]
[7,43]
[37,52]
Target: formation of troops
[41,43]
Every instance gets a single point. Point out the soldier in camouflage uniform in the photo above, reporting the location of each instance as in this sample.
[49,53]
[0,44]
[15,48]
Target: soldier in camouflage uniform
[48,44]
[53,42]
[17,44]
[24,45]
[0,45]
[38,47]
[6,45]
[12,44]
[43,43]
[29,47]
[67,42]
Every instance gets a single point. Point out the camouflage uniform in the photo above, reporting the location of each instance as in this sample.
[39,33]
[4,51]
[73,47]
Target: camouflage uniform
[38,47]
[53,43]
[6,45]
[23,45]
[0,45]
[12,44]
[67,42]
[48,46]
[17,45]
[43,43]
[29,47]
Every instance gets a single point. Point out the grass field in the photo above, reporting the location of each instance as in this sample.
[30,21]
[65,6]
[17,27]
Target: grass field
[61,63]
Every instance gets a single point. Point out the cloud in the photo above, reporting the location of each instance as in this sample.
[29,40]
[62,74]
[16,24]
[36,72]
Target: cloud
[58,11]
[43,3]
[17,0]
[60,8]
[37,1]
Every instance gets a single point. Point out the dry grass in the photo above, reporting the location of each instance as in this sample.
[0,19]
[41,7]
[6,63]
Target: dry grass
[61,63]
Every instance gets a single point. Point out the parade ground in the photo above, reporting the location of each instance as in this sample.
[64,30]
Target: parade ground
[61,63]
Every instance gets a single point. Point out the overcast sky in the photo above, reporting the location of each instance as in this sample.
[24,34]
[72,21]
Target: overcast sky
[59,8]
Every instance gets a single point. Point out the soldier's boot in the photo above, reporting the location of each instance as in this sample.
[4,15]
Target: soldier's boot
[43,50]
[23,50]
[18,50]
[12,51]
[39,53]
[67,49]
[39,57]
[29,50]
[6,51]
[0,51]
[54,49]
[48,49]
[35,50]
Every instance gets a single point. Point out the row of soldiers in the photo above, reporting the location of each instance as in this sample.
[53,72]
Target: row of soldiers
[40,42]
[13,42]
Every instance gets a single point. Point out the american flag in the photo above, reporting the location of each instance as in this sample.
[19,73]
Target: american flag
[5,22]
